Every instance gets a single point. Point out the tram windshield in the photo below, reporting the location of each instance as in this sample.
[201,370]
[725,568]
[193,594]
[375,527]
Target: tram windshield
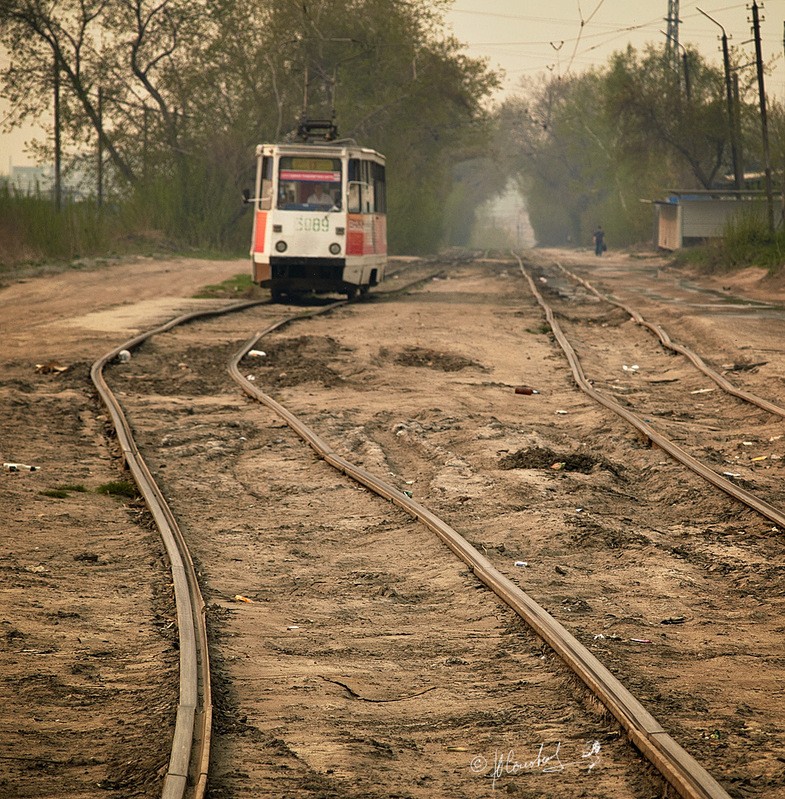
[309,184]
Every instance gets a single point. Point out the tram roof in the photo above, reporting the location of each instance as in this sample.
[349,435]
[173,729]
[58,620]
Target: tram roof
[335,149]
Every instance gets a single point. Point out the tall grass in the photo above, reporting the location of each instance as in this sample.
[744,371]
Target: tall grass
[31,229]
[748,241]
[195,206]
[197,210]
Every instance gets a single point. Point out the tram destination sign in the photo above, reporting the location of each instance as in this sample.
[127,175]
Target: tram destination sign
[311,176]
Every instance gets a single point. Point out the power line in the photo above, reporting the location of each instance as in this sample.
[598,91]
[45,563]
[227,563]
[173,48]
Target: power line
[569,40]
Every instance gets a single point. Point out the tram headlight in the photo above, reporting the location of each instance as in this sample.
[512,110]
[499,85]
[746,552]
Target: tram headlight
[335,248]
[280,246]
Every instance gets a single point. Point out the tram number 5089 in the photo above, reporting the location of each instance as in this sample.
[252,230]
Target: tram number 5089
[313,224]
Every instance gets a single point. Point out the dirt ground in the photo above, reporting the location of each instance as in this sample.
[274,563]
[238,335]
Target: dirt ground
[88,662]
[366,661]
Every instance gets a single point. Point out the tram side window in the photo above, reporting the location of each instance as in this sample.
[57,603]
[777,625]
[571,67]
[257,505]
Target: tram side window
[266,196]
[355,187]
[368,203]
[380,188]
[362,190]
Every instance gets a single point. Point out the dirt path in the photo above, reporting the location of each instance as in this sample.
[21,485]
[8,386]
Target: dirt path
[420,390]
[87,657]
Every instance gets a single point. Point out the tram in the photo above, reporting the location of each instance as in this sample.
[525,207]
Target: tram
[320,218]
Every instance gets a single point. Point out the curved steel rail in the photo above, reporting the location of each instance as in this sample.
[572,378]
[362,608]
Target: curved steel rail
[684,773]
[190,753]
[693,357]
[765,509]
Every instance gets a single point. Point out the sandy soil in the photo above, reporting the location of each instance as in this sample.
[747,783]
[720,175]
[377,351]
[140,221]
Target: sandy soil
[367,662]
[87,642]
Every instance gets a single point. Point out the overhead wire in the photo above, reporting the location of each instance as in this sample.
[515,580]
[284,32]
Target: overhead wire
[611,32]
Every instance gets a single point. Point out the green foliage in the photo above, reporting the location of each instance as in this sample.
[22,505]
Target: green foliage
[31,229]
[239,286]
[473,181]
[563,152]
[196,206]
[642,91]
[63,491]
[54,493]
[586,149]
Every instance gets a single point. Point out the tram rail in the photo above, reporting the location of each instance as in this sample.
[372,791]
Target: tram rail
[766,509]
[691,355]
[190,751]
[188,768]
[675,764]
[189,762]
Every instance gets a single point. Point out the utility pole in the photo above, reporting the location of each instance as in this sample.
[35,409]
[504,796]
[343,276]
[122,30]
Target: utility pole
[58,189]
[763,120]
[738,174]
[672,40]
[737,123]
[686,64]
[100,176]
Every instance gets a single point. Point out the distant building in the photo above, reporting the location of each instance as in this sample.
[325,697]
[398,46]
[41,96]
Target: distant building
[32,181]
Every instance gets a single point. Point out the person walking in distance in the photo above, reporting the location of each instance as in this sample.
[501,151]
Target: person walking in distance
[599,241]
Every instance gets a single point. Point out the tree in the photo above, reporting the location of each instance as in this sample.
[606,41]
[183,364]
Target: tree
[393,81]
[127,48]
[586,148]
[641,91]
[563,153]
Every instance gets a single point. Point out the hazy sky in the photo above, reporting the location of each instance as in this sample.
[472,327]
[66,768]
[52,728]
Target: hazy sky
[525,37]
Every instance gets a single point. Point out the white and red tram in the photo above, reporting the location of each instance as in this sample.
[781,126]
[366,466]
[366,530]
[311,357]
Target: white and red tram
[320,221]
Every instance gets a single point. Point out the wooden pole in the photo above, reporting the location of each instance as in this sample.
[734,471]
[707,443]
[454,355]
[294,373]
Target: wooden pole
[100,176]
[58,188]
[763,119]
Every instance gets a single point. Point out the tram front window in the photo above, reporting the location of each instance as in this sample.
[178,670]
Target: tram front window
[309,184]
